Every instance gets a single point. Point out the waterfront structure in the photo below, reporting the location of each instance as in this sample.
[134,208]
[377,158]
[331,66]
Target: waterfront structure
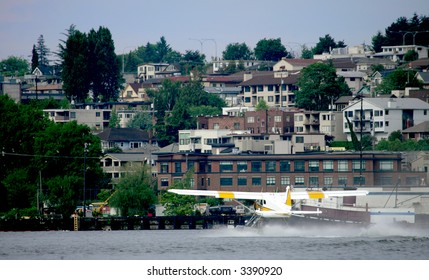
[273,172]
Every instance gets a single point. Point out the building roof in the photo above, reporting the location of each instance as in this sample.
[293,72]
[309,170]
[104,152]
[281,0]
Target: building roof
[298,62]
[123,135]
[421,127]
[269,79]
[424,76]
[397,103]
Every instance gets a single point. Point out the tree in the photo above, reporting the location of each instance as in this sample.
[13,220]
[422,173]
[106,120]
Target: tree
[306,53]
[179,205]
[34,59]
[398,80]
[162,49]
[403,32]
[141,120]
[14,66]
[319,86]
[104,66]
[114,120]
[42,51]
[262,105]
[411,56]
[327,43]
[270,49]
[237,51]
[75,70]
[134,193]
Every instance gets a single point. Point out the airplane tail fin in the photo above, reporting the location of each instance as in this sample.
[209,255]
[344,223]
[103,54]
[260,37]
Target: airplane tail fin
[288,197]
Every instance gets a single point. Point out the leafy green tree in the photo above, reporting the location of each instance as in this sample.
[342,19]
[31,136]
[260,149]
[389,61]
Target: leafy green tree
[403,32]
[237,51]
[104,66]
[134,193]
[141,120]
[179,205]
[270,49]
[14,66]
[398,80]
[114,120]
[395,135]
[75,69]
[411,56]
[319,86]
[306,53]
[262,105]
[162,49]
[327,43]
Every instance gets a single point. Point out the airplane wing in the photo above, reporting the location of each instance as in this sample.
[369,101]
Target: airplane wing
[221,194]
[326,194]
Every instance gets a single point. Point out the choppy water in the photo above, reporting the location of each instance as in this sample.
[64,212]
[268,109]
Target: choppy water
[268,243]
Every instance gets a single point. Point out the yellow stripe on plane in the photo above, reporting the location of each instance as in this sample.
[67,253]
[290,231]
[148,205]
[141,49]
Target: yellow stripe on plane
[315,195]
[226,194]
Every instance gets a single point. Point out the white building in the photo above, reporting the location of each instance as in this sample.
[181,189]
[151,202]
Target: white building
[96,119]
[382,116]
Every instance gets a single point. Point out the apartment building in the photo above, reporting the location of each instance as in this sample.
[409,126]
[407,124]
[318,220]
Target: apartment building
[379,117]
[276,88]
[273,172]
[96,119]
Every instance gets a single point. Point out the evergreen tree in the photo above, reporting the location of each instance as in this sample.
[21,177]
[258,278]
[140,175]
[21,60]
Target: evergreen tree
[34,59]
[42,51]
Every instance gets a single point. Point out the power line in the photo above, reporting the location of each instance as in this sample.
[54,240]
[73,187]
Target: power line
[45,156]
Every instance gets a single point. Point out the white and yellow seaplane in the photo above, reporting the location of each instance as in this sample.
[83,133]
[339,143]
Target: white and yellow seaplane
[274,204]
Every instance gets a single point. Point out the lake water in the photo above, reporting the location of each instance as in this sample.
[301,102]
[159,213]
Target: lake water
[268,243]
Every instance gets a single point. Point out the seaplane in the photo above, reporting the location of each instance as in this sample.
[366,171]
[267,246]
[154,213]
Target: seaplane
[273,204]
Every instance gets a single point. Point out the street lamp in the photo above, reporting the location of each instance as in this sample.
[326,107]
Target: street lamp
[85,150]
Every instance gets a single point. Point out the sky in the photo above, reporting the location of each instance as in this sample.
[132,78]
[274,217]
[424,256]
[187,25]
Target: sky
[203,25]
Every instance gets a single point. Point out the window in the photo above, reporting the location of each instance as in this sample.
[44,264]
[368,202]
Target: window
[328,181]
[271,181]
[386,181]
[270,166]
[215,126]
[225,181]
[225,166]
[386,112]
[300,139]
[386,165]
[343,165]
[260,88]
[256,166]
[242,166]
[256,181]
[178,167]
[299,165]
[97,114]
[164,167]
[164,182]
[342,181]
[270,87]
[284,166]
[313,181]
[328,165]
[356,165]
[184,138]
[285,181]
[359,180]
[73,115]
[242,181]
[313,165]
[270,99]
[250,119]
[299,181]
[277,118]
